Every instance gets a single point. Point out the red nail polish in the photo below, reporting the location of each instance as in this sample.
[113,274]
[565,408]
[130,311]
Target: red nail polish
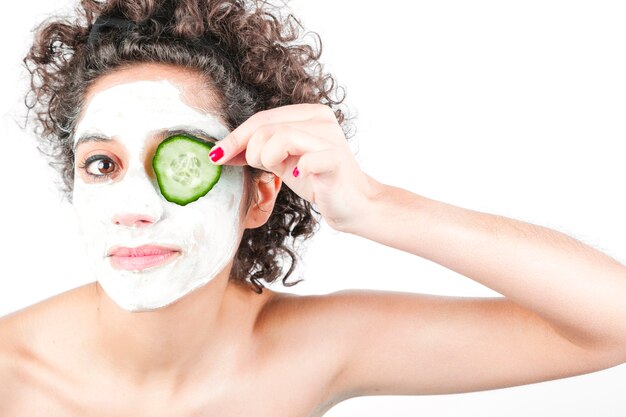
[216,154]
[296,172]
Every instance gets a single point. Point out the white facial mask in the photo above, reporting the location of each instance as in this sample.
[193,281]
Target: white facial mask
[207,231]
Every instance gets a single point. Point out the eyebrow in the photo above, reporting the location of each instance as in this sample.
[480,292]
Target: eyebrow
[161,134]
[90,137]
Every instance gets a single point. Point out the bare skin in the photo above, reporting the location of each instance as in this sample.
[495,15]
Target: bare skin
[224,350]
[51,364]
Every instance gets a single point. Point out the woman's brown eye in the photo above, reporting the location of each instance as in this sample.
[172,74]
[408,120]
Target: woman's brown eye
[100,166]
[105,167]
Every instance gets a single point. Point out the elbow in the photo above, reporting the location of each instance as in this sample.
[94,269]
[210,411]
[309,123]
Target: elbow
[609,353]
[607,350]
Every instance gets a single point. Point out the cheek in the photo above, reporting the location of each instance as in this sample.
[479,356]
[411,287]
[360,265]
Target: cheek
[224,200]
[212,217]
[215,218]
[88,202]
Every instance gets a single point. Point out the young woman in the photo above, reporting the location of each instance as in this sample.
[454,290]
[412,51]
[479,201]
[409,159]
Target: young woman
[178,323]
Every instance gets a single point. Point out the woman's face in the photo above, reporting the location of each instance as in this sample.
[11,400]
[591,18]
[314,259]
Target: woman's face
[147,252]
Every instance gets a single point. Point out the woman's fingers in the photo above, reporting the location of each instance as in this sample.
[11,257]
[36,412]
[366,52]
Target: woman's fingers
[238,160]
[272,144]
[306,147]
[285,143]
[326,161]
[237,141]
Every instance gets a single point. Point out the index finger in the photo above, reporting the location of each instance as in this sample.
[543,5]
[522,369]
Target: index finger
[232,147]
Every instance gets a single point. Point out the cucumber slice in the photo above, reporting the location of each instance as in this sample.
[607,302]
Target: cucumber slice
[183,170]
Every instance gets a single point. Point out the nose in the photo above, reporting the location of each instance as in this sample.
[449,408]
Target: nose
[133,220]
[136,203]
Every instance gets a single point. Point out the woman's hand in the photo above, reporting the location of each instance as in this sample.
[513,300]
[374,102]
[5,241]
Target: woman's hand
[304,145]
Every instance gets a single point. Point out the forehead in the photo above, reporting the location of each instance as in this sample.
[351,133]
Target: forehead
[194,89]
[148,97]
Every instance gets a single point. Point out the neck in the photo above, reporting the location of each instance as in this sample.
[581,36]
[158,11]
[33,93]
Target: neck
[198,331]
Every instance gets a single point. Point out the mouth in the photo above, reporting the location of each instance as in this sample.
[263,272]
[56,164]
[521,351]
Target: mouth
[141,257]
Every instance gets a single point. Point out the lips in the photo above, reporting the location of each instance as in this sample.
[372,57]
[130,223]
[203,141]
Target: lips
[141,257]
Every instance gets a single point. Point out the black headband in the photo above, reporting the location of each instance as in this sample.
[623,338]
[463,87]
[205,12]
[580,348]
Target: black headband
[108,22]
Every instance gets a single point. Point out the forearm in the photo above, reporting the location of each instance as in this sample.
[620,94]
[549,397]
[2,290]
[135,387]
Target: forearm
[580,291]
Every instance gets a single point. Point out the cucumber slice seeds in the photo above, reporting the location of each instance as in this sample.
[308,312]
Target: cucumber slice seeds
[183,169]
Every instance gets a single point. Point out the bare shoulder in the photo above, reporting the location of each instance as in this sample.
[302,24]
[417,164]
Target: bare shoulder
[7,357]
[43,317]
[310,320]
[301,342]
[23,333]
[326,318]
[325,325]
[326,332]
[14,343]
[32,356]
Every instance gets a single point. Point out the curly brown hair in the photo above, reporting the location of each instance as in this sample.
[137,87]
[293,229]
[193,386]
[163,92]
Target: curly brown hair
[251,55]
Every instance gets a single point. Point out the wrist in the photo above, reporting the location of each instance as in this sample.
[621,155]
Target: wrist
[366,208]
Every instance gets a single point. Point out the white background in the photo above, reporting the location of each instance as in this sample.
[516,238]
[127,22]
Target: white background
[514,108]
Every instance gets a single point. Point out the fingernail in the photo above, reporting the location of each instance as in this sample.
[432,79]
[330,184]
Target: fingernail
[296,172]
[216,154]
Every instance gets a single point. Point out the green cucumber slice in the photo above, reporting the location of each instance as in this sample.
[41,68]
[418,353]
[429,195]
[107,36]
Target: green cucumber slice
[183,170]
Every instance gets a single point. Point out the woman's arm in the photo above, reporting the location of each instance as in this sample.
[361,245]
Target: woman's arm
[581,292]
[563,314]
